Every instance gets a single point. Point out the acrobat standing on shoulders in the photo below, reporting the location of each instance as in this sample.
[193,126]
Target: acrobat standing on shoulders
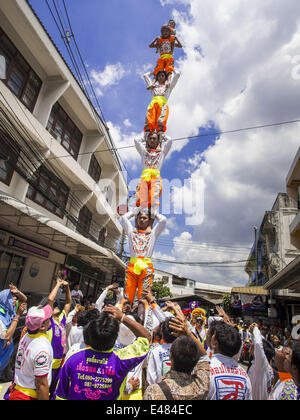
[165,47]
[141,246]
[153,151]
[158,109]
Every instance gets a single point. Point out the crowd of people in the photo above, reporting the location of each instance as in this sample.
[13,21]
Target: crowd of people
[120,352]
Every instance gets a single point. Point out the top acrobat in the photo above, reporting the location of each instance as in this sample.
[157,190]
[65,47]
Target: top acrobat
[165,46]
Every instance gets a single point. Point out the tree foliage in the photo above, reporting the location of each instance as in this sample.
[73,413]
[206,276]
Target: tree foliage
[226,302]
[160,290]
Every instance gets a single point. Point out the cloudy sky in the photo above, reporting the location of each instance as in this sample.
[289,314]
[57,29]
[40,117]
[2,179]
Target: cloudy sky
[239,68]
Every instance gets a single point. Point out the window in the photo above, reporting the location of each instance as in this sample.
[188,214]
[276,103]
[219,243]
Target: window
[7,156]
[179,281]
[56,192]
[102,236]
[11,268]
[20,78]
[94,169]
[64,130]
[84,221]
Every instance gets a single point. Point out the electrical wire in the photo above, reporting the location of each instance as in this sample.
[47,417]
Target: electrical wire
[214,134]
[62,31]
[29,161]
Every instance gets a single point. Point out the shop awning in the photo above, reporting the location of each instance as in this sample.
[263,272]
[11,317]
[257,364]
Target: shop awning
[287,278]
[190,298]
[255,290]
[22,219]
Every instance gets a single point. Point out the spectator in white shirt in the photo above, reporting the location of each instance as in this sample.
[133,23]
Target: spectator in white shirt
[260,372]
[33,366]
[159,362]
[228,380]
[77,293]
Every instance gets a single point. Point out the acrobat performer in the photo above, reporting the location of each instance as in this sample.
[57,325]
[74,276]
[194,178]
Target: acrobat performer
[165,46]
[141,246]
[158,109]
[153,151]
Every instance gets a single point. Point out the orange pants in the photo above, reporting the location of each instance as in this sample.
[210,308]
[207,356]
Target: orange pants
[148,194]
[157,118]
[141,282]
[166,64]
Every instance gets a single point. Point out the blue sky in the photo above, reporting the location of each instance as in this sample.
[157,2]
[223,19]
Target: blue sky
[236,66]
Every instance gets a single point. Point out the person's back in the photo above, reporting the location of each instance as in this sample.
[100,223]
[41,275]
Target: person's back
[188,378]
[159,362]
[95,373]
[228,380]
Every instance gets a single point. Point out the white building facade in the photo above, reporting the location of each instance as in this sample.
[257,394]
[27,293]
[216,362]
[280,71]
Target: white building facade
[178,286]
[58,191]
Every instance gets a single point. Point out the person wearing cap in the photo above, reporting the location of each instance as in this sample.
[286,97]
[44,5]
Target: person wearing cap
[33,365]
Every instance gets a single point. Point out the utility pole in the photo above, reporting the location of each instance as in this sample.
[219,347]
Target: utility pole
[123,236]
[256,256]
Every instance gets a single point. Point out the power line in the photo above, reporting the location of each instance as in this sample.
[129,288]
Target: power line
[66,40]
[214,134]
[208,246]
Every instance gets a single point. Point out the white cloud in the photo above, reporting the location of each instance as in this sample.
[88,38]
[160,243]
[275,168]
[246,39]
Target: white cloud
[187,250]
[237,72]
[110,76]
[127,123]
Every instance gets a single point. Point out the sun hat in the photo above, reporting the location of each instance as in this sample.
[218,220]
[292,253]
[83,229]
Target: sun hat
[36,316]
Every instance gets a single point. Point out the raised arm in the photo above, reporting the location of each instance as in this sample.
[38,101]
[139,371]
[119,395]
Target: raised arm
[180,327]
[125,221]
[137,329]
[54,291]
[260,360]
[160,225]
[12,328]
[15,291]
[68,301]
[154,43]
[139,146]
[147,78]
[174,79]
[166,145]
[177,43]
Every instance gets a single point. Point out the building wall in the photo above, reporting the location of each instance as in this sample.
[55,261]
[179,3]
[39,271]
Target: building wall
[38,272]
[26,32]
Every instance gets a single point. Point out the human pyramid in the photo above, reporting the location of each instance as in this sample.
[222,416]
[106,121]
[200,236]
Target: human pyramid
[153,148]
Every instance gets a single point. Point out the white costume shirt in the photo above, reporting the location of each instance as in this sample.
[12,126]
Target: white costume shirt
[228,380]
[141,244]
[160,89]
[154,158]
[34,359]
[260,372]
[159,363]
